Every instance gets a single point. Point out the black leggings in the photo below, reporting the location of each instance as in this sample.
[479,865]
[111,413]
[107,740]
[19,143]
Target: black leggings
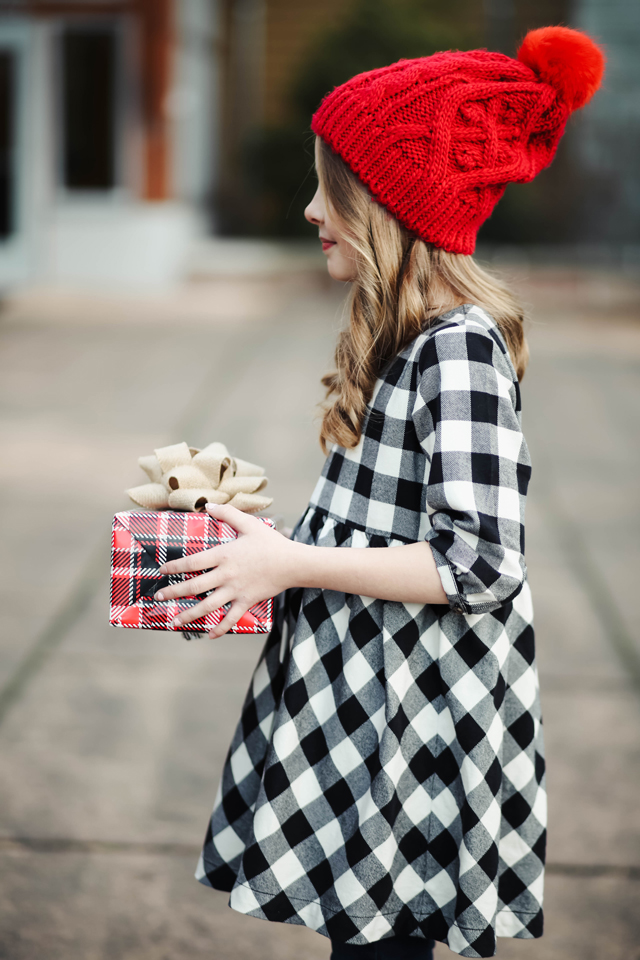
[393,948]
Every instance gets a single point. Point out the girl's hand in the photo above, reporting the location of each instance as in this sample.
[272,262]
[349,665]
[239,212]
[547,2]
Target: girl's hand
[258,565]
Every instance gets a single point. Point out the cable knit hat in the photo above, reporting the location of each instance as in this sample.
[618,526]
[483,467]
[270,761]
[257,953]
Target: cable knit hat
[437,139]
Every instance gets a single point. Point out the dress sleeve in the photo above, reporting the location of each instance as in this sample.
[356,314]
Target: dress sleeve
[467,418]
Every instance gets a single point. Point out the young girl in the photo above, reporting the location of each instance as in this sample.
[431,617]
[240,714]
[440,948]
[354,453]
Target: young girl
[385,785]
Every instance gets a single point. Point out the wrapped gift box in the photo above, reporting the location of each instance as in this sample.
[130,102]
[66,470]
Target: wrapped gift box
[141,542]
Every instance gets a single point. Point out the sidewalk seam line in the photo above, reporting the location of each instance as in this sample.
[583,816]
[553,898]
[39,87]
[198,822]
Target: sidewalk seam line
[599,595]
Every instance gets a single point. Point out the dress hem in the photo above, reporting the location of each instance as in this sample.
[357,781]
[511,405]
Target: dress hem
[368,916]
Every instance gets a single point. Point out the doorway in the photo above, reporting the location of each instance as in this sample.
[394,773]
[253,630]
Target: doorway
[14,47]
[89,134]
[7,142]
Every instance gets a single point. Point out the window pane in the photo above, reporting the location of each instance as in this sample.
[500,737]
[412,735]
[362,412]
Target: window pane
[88,90]
[7,180]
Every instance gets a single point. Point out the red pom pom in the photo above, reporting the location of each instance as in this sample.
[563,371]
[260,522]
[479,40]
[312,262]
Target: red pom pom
[566,59]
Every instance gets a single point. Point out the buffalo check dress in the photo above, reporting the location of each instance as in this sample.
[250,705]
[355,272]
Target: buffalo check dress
[387,776]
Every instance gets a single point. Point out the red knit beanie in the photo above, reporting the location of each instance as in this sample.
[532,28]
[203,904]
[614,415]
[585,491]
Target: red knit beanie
[437,139]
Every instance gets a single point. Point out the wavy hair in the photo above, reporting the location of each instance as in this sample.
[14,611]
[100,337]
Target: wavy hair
[401,284]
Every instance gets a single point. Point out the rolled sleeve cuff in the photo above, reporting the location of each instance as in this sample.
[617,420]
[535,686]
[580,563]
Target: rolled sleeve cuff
[445,570]
[459,602]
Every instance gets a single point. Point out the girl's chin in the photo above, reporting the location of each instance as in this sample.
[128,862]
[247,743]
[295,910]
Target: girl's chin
[339,268]
[339,272]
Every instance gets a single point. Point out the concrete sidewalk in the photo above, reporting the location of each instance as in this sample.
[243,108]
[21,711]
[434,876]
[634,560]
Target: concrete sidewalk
[111,742]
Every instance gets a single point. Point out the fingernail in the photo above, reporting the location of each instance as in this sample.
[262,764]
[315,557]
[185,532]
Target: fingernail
[159,595]
[177,622]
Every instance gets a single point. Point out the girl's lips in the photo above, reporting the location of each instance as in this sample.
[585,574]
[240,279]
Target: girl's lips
[327,244]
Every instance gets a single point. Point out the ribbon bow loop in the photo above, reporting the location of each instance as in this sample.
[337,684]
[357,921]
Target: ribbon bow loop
[186,478]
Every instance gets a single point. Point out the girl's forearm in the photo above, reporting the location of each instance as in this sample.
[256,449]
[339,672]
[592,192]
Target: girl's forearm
[408,573]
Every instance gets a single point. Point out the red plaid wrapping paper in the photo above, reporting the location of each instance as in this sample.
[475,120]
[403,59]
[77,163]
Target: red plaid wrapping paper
[141,542]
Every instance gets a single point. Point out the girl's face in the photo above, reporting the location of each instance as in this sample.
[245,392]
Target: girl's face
[341,256]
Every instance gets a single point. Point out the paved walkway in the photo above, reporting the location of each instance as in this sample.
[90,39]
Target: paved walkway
[111,742]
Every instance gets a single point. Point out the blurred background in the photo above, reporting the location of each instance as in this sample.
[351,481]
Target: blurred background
[132,128]
[158,283]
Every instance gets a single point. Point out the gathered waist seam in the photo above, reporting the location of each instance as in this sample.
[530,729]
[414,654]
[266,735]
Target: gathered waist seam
[313,508]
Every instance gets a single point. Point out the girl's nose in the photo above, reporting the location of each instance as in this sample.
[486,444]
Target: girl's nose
[314,212]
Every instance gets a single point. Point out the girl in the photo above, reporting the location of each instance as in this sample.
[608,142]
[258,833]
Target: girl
[385,785]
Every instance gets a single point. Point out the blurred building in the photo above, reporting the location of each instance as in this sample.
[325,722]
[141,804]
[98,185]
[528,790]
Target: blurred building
[608,137]
[108,138]
[129,126]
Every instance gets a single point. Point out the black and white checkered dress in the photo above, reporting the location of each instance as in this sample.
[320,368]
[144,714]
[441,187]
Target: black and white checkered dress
[387,774]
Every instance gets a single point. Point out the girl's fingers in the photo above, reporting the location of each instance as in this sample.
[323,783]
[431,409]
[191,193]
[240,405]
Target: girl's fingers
[217,599]
[235,612]
[204,560]
[190,588]
[242,522]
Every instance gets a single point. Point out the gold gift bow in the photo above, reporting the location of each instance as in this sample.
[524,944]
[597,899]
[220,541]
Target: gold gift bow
[185,478]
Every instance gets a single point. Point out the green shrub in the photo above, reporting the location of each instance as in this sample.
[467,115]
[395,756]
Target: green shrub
[279,160]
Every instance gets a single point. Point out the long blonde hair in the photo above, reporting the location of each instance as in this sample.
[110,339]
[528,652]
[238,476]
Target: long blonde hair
[401,284]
